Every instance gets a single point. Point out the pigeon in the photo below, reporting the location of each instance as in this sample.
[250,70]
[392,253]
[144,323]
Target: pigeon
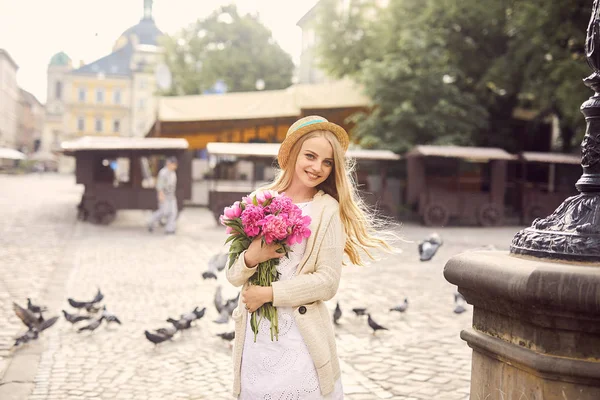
[429,246]
[459,302]
[33,308]
[91,326]
[231,304]
[374,325]
[156,338]
[31,321]
[215,264]
[218,262]
[337,314]
[109,317]
[402,307]
[26,337]
[218,300]
[180,324]
[223,317]
[209,275]
[168,332]
[459,309]
[88,305]
[229,336]
[194,315]
[360,311]
[72,318]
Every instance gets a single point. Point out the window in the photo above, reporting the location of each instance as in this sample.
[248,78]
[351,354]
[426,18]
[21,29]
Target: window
[116,125]
[99,95]
[58,90]
[117,96]
[81,96]
[141,104]
[142,84]
[98,124]
[81,124]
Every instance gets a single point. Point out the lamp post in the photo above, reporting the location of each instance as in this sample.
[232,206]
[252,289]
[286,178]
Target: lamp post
[536,311]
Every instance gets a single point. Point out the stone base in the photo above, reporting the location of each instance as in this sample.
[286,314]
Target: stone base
[536,326]
[496,375]
[492,379]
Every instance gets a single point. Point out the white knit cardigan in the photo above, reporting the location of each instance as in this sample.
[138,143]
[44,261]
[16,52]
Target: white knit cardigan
[317,281]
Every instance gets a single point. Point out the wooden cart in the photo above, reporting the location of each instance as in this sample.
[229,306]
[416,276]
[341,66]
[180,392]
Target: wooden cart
[546,179]
[240,168]
[118,173]
[453,182]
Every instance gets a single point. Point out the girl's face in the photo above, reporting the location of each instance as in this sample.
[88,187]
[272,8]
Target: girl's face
[314,162]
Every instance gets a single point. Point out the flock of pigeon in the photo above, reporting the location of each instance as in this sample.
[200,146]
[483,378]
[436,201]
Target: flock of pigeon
[33,318]
[427,249]
[225,310]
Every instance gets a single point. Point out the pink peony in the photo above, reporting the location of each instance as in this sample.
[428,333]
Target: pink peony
[281,204]
[275,227]
[251,216]
[234,211]
[299,230]
[263,196]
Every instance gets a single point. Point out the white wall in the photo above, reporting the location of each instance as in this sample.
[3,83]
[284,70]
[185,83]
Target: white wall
[9,103]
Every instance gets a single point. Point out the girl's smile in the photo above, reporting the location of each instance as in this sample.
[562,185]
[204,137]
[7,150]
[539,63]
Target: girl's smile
[314,163]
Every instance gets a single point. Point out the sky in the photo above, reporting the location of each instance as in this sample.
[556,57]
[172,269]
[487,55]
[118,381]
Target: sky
[32,31]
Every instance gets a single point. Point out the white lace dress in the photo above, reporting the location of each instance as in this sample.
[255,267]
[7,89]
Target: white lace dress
[283,369]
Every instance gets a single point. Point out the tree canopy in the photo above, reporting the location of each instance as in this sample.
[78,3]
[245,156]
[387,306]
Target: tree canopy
[454,71]
[226,50]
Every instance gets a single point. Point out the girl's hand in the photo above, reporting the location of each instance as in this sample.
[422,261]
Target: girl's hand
[255,296]
[257,253]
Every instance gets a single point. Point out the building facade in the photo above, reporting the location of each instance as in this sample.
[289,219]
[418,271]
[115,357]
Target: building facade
[30,123]
[112,96]
[9,100]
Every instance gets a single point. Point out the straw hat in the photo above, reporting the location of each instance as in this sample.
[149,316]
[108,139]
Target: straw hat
[306,125]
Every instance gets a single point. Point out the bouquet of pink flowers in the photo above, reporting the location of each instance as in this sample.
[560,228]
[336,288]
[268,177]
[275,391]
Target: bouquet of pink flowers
[276,219]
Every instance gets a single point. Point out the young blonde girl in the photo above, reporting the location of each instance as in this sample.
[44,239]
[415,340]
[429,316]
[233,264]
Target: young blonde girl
[303,363]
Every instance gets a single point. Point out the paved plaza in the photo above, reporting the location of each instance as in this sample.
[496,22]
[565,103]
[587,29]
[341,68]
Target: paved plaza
[46,254]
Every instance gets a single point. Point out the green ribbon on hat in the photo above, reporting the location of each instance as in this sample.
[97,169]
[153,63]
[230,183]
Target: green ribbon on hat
[314,121]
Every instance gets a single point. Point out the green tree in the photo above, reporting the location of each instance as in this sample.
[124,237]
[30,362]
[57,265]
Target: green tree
[237,50]
[453,71]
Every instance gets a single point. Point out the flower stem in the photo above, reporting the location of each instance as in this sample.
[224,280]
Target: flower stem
[267,273]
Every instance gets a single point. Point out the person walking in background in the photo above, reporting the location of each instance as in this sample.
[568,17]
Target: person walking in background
[166,185]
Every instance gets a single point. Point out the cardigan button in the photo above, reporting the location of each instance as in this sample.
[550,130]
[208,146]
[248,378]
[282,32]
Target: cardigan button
[302,310]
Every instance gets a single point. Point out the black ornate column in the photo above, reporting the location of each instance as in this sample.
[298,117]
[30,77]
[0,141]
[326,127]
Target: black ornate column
[572,232]
[536,315]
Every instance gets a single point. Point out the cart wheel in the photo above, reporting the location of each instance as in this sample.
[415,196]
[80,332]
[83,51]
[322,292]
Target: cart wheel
[104,213]
[534,211]
[436,215]
[489,215]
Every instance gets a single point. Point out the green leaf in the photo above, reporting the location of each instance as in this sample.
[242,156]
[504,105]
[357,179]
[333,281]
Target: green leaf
[230,238]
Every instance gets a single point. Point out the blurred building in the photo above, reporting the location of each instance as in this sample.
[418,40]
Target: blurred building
[113,95]
[30,123]
[9,100]
[308,70]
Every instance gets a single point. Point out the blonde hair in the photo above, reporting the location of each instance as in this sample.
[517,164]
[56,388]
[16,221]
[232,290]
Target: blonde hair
[360,223]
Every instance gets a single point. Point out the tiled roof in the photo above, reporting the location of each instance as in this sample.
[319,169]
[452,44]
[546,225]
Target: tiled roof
[116,63]
[119,62]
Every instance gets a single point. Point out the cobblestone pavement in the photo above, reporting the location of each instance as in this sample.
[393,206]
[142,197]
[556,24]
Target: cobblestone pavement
[147,277]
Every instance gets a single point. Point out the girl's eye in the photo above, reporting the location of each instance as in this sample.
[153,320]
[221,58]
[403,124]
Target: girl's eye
[329,163]
[310,156]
